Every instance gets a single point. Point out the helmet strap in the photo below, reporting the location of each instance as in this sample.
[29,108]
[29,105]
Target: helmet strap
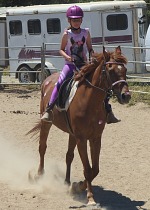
[74,29]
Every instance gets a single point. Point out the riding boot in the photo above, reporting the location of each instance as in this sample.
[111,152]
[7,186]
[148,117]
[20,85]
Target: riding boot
[111,118]
[47,116]
[110,115]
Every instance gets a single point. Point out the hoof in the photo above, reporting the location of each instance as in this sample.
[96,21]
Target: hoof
[95,205]
[31,178]
[34,178]
[91,203]
[67,183]
[76,188]
[72,189]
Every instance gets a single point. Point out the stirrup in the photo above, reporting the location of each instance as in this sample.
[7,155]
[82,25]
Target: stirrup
[47,117]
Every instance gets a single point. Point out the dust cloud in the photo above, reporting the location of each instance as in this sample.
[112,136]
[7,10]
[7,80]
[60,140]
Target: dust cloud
[15,164]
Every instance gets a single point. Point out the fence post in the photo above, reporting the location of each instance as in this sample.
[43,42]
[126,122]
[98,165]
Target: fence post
[1,74]
[42,62]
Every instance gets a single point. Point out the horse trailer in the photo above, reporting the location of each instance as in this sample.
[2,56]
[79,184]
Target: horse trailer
[34,31]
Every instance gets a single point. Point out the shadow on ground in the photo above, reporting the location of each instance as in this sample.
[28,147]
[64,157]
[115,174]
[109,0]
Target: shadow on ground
[108,200]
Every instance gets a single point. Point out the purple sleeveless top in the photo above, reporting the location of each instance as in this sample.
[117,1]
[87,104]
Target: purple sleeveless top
[76,45]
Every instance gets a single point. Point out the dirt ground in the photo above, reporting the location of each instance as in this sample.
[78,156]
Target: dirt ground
[124,179]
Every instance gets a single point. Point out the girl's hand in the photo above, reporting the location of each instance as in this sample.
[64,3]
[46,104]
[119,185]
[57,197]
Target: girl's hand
[70,59]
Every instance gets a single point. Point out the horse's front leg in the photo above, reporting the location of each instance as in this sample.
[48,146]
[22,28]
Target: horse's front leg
[82,148]
[69,157]
[44,131]
[95,147]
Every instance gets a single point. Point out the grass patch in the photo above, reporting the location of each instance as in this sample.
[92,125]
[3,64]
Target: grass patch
[140,93]
[6,71]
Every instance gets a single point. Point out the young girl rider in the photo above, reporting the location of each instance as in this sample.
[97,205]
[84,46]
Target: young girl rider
[74,46]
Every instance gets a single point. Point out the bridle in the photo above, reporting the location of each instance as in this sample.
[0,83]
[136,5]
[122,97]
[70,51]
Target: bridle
[118,81]
[108,91]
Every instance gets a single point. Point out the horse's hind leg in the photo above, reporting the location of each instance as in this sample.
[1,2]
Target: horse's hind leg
[69,157]
[45,127]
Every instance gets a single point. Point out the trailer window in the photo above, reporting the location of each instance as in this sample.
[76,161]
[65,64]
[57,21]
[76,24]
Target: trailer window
[15,27]
[53,26]
[117,22]
[34,27]
[141,30]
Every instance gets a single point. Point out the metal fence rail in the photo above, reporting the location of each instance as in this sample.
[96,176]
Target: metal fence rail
[141,92]
[6,77]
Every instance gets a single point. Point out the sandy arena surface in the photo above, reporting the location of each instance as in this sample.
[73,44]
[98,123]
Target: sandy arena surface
[124,179]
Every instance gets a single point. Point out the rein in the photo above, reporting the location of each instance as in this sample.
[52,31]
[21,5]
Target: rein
[98,88]
[90,82]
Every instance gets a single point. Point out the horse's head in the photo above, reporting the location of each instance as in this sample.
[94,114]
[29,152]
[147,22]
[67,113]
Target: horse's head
[108,72]
[77,49]
[115,66]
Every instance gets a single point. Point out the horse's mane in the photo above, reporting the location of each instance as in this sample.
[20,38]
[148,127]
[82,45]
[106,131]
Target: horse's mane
[89,67]
[96,60]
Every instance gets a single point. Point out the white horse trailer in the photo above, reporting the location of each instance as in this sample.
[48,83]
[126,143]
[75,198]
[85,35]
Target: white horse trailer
[3,37]
[111,23]
[147,45]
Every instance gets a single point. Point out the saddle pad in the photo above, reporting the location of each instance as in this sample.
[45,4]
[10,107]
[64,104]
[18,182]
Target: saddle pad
[71,95]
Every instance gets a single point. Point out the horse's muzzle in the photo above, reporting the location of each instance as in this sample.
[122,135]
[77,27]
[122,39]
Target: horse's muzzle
[122,92]
[125,97]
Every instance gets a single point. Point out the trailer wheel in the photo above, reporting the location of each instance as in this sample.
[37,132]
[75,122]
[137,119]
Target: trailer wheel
[39,75]
[25,76]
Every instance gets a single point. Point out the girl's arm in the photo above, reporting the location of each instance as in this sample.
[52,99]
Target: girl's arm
[62,47]
[89,44]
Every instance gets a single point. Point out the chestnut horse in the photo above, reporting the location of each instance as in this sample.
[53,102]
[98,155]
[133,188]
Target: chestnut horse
[86,113]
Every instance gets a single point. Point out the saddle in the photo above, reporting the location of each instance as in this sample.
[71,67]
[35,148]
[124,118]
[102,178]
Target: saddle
[64,93]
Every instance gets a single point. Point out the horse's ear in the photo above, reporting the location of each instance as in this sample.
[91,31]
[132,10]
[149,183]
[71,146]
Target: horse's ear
[118,50]
[72,41]
[83,39]
[106,55]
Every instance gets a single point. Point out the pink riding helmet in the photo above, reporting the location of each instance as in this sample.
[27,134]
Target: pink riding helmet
[74,12]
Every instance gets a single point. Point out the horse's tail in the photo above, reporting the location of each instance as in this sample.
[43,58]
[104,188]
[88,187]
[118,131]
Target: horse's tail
[35,130]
